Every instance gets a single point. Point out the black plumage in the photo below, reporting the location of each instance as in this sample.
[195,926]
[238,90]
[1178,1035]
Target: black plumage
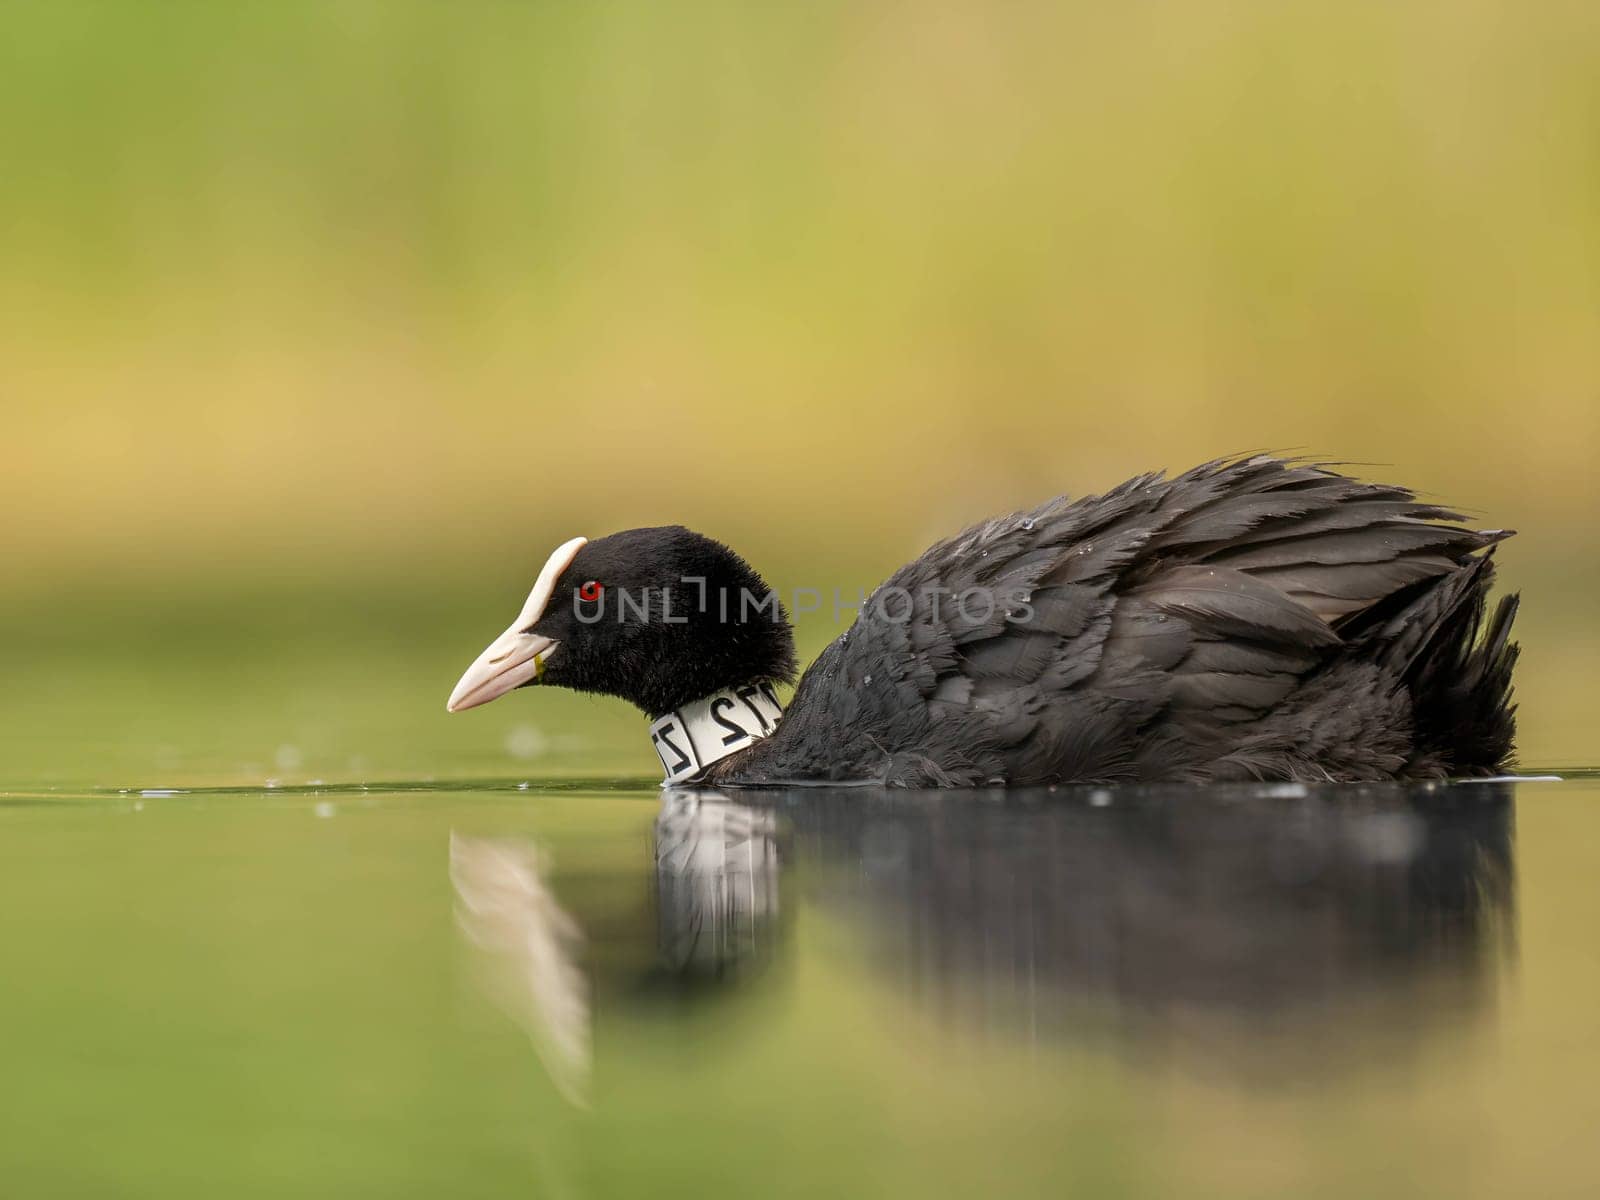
[1255,618]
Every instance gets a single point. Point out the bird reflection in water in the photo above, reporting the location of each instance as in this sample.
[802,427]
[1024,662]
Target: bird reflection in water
[525,951]
[717,875]
[1279,928]
[1160,918]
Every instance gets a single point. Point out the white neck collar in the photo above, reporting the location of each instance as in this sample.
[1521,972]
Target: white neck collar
[691,738]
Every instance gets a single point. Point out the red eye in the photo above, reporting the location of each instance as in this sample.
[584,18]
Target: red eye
[590,591]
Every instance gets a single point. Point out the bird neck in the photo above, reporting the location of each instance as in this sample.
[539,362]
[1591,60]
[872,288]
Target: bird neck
[728,721]
[717,648]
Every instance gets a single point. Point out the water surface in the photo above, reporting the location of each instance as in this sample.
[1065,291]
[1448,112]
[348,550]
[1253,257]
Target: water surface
[564,989]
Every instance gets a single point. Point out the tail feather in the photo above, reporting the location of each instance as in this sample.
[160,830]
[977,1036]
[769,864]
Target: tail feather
[1456,666]
[1476,719]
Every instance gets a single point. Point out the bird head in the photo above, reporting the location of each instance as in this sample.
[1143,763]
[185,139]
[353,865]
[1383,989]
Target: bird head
[658,617]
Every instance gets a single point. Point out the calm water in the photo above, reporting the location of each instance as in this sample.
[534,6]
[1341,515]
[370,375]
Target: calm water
[543,990]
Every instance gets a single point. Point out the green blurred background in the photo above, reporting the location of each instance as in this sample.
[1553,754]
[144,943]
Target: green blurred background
[324,323]
[321,324]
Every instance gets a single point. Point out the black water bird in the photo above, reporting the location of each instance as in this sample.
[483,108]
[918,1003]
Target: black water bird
[1250,619]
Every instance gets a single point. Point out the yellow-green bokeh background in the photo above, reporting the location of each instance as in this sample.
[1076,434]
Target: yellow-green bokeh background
[322,323]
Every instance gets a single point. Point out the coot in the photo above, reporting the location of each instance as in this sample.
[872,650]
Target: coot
[1254,618]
